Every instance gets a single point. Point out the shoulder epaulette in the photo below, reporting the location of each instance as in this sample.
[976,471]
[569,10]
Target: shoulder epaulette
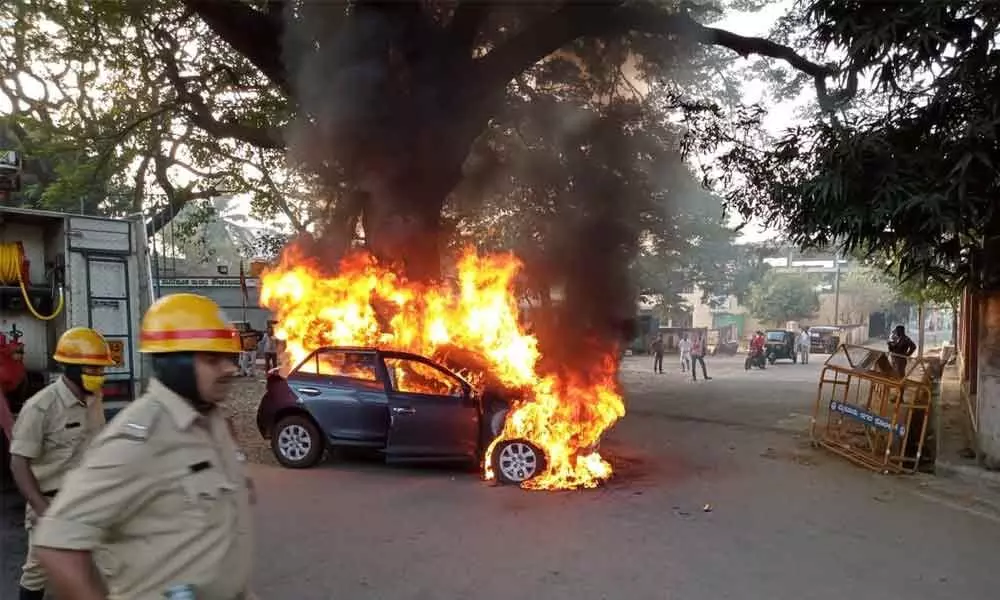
[134,431]
[135,422]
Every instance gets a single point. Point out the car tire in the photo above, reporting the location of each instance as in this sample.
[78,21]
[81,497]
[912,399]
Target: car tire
[297,443]
[517,461]
[795,359]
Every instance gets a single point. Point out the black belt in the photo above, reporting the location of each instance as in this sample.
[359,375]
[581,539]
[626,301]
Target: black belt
[51,494]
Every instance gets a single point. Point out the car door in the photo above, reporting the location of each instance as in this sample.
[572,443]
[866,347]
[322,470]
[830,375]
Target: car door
[431,412]
[345,392]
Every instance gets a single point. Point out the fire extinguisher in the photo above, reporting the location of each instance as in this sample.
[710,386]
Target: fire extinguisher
[12,371]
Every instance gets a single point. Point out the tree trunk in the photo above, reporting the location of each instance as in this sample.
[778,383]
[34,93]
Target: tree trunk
[403,184]
[402,221]
[920,330]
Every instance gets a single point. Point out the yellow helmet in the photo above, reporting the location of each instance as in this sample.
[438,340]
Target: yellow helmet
[83,346]
[186,323]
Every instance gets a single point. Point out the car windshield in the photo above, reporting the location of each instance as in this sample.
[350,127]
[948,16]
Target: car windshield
[775,336]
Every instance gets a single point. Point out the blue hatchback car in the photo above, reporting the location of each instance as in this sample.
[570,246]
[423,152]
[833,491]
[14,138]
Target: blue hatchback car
[406,406]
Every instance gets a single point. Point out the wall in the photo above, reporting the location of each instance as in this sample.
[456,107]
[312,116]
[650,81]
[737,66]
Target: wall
[988,385]
[706,317]
[701,313]
[703,316]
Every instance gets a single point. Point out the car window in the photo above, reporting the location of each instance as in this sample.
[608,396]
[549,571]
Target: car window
[338,363]
[416,377]
[775,336]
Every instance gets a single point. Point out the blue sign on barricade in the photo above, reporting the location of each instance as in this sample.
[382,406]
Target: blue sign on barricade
[864,416]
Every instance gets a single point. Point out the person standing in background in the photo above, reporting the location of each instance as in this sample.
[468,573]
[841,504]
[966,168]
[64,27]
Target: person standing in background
[248,353]
[685,349]
[657,350]
[902,347]
[698,356]
[803,346]
[269,348]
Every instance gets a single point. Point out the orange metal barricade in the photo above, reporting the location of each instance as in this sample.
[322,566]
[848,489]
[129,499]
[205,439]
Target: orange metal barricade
[873,408]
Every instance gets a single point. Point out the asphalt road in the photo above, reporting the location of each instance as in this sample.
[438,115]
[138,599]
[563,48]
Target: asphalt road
[718,495]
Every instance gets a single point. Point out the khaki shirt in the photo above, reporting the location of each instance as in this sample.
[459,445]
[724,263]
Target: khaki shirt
[52,431]
[162,491]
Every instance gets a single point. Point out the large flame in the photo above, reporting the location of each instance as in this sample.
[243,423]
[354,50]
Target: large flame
[563,413]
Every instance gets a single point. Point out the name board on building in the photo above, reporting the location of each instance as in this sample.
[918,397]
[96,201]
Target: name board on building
[224,282]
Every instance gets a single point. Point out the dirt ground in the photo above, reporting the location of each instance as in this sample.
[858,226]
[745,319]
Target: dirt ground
[242,408]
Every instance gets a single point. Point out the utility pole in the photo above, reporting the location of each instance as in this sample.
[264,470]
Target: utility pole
[836,289]
[920,329]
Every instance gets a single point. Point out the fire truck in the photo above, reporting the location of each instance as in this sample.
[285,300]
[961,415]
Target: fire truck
[58,271]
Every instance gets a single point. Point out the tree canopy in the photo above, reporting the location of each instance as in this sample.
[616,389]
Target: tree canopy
[780,297]
[380,105]
[864,291]
[908,168]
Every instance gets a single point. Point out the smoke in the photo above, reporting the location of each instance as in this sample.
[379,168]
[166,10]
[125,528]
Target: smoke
[357,119]
[591,233]
[347,115]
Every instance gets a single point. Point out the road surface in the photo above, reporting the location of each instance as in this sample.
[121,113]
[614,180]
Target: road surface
[718,495]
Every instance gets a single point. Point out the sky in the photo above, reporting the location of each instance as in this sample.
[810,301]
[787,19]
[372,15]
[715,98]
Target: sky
[779,116]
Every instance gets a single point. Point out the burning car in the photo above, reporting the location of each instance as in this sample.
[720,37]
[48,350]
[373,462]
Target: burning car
[442,360]
[407,406]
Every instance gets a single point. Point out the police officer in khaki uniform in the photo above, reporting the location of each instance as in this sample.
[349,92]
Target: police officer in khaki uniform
[53,430]
[163,488]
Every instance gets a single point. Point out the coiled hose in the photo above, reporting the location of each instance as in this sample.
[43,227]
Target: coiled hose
[11,263]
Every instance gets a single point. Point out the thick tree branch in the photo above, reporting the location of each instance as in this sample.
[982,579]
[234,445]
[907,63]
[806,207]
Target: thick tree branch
[177,199]
[254,34]
[545,36]
[614,17]
[465,22]
[278,194]
[199,111]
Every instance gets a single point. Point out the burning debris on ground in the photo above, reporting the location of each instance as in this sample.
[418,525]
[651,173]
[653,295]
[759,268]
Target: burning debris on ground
[475,320]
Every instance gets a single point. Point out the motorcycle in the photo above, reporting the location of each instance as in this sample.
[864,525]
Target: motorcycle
[755,358]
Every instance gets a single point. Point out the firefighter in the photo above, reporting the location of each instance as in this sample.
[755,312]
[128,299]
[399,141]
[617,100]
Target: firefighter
[51,433]
[163,488]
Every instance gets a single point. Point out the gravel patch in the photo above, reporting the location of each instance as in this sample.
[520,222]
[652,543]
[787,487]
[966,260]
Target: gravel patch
[241,406]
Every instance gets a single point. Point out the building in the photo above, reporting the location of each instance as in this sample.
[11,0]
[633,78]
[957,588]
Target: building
[218,282]
[722,312]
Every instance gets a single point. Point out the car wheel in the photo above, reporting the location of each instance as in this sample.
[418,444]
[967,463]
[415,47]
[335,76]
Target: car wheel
[795,359]
[297,442]
[517,461]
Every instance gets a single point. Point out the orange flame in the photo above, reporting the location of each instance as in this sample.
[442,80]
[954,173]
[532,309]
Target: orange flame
[565,414]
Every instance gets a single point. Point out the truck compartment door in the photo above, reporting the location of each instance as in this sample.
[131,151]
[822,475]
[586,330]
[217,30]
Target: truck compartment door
[100,280]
